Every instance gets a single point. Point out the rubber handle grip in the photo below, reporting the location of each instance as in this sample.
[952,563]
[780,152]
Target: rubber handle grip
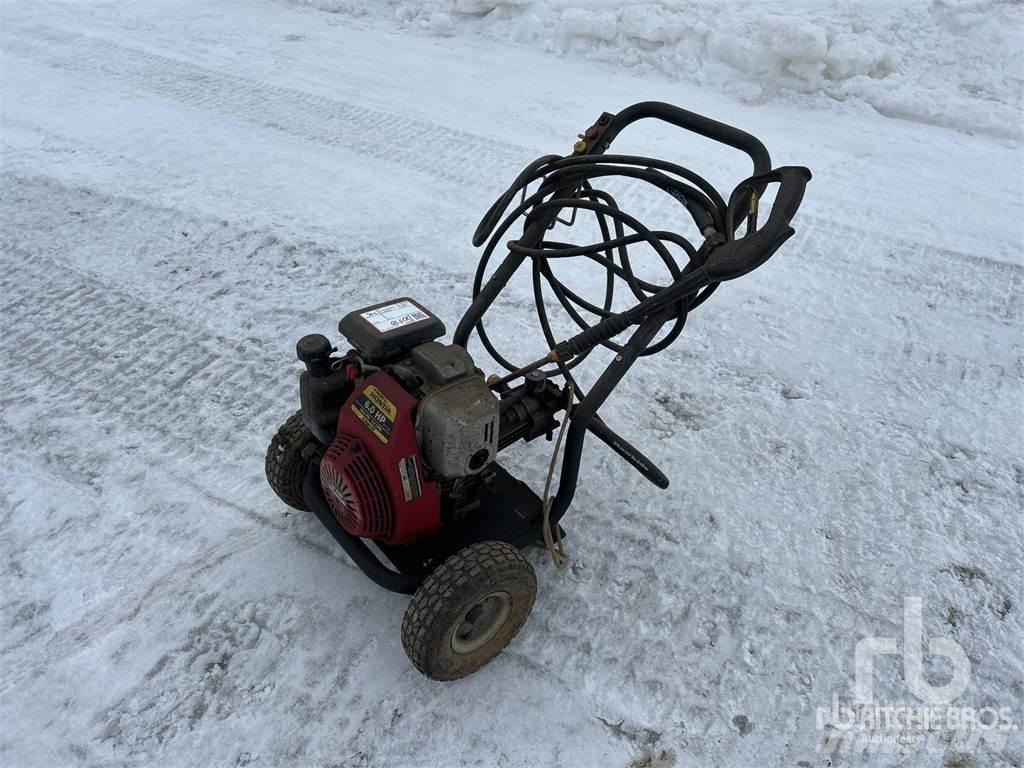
[738,257]
[793,181]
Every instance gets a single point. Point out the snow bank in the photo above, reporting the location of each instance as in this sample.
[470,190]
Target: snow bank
[955,63]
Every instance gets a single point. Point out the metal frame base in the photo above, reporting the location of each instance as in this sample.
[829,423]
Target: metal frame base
[509,511]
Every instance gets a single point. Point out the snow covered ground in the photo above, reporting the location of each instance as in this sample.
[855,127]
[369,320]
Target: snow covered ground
[950,62]
[189,186]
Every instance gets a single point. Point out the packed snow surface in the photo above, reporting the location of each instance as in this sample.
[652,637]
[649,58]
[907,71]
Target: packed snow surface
[958,63]
[189,186]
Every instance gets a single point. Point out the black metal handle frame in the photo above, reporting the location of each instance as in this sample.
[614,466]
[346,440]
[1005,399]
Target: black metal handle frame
[583,417]
[690,121]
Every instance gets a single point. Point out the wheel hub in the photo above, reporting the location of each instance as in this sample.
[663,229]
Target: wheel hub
[481,622]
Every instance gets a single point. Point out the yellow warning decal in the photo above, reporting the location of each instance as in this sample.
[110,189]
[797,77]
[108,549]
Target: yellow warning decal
[376,412]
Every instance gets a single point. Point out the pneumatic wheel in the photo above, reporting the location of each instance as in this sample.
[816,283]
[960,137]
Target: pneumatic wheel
[468,610]
[285,466]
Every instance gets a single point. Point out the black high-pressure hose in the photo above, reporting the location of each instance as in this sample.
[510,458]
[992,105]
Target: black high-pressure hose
[612,252]
[566,187]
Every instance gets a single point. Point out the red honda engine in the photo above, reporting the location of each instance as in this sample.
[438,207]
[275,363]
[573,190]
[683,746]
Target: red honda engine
[410,425]
[372,473]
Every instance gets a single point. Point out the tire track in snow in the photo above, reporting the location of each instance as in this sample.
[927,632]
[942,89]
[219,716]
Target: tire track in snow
[445,153]
[201,404]
[117,337]
[199,396]
[202,268]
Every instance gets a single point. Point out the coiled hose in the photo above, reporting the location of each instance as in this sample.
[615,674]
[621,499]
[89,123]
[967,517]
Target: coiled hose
[715,219]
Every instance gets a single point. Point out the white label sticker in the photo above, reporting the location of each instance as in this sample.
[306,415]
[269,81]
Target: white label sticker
[393,316]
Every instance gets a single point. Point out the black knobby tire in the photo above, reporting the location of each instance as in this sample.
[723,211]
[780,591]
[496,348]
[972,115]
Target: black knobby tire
[490,580]
[286,469]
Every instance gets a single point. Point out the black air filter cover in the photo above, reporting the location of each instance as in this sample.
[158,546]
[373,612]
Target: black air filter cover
[382,331]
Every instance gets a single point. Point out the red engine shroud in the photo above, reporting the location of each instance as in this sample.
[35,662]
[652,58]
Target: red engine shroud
[372,473]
